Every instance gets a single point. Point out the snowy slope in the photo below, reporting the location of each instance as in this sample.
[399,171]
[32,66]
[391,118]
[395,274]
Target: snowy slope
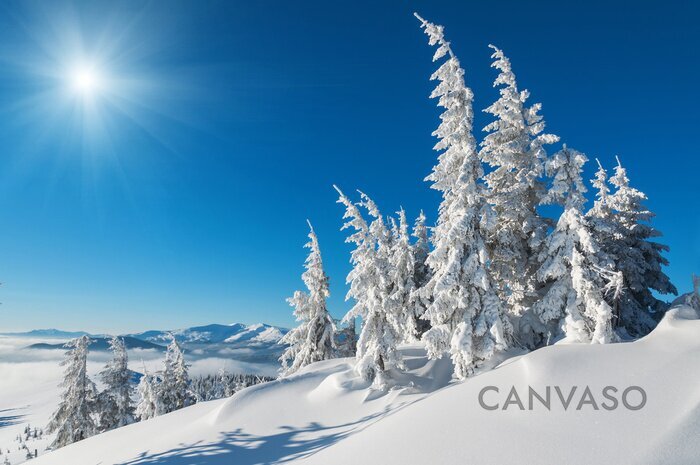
[30,374]
[326,415]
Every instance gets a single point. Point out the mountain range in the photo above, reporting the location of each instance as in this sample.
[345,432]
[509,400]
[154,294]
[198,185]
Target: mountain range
[216,334]
[257,343]
[100,343]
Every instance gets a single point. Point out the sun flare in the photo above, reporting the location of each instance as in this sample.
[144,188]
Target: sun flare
[85,80]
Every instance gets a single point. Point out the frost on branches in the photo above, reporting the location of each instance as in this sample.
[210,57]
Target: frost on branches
[312,340]
[514,148]
[116,407]
[376,346]
[73,421]
[573,268]
[466,316]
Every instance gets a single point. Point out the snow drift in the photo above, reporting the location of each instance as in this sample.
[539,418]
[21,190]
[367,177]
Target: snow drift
[325,414]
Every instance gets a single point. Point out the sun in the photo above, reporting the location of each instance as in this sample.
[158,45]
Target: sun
[85,80]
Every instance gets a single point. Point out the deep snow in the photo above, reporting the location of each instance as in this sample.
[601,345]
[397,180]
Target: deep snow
[326,415]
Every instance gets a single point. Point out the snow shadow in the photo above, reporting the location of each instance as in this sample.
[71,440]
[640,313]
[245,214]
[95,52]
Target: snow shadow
[9,420]
[291,443]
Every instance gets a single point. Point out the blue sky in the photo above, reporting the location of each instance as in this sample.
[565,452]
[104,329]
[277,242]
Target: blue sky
[177,193]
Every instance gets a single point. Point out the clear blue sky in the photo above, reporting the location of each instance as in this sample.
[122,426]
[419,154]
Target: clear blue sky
[178,193]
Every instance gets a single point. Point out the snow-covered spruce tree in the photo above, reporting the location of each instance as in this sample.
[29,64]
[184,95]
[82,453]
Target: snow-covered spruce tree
[465,312]
[514,148]
[637,256]
[376,352]
[226,383]
[312,340]
[421,249]
[402,279]
[418,300]
[149,405]
[173,390]
[602,222]
[74,419]
[572,275]
[116,407]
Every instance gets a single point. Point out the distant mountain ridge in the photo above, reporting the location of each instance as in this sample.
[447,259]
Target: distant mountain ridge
[102,344]
[216,334]
[48,333]
[213,333]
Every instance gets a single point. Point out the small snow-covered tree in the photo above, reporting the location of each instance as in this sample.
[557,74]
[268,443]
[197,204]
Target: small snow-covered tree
[74,419]
[149,405]
[173,390]
[312,340]
[572,274]
[637,256]
[466,316]
[515,149]
[376,352]
[116,406]
[225,384]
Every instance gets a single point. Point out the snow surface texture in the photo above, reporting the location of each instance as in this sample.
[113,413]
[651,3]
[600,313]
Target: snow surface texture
[325,414]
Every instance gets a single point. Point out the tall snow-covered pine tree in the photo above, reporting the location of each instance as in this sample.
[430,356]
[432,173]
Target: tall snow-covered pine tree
[514,148]
[466,316]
